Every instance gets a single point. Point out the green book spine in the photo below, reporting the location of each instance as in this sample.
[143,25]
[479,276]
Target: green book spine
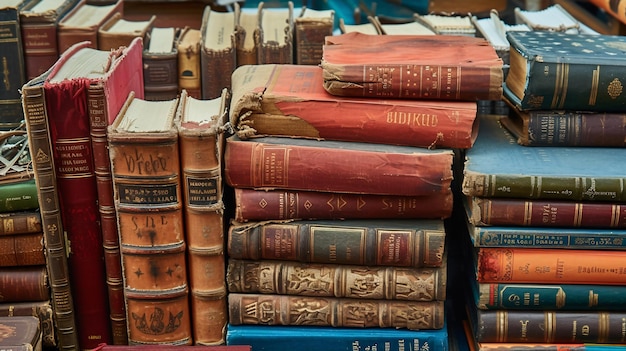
[17,196]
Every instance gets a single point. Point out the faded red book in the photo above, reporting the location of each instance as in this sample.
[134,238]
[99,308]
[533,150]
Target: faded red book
[290,100]
[441,67]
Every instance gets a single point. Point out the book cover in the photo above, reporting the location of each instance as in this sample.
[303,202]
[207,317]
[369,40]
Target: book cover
[145,168]
[160,64]
[274,37]
[22,250]
[82,23]
[557,71]
[118,31]
[497,166]
[289,100]
[201,133]
[21,333]
[218,51]
[452,67]
[18,194]
[401,243]
[309,338]
[258,205]
[40,309]
[320,165]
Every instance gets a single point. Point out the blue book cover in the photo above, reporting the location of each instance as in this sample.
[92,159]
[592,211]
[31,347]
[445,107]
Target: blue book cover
[497,166]
[311,338]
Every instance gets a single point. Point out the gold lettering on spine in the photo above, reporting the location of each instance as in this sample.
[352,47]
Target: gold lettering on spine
[413,119]
[615,215]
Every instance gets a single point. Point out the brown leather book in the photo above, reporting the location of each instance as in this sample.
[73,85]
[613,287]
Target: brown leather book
[274,39]
[22,250]
[218,53]
[247,25]
[189,67]
[160,64]
[27,283]
[310,30]
[145,166]
[201,136]
[82,23]
[21,333]
[20,222]
[40,309]
[118,31]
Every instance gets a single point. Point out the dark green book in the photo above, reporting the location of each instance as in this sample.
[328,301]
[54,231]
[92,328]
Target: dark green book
[18,195]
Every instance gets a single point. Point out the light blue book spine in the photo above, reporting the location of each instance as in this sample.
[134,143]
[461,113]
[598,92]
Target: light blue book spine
[310,338]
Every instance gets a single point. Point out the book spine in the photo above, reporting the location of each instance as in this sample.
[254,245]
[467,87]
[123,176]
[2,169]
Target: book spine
[160,76]
[189,67]
[217,68]
[19,195]
[616,8]
[576,129]
[24,283]
[354,244]
[554,266]
[550,327]
[78,194]
[268,309]
[253,164]
[54,234]
[309,39]
[293,278]
[200,154]
[41,309]
[257,205]
[40,44]
[14,72]
[147,190]
[22,250]
[538,213]
[98,123]
[545,237]
[551,297]
[21,222]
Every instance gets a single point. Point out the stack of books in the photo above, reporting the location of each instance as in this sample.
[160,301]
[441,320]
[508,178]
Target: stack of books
[544,197]
[340,196]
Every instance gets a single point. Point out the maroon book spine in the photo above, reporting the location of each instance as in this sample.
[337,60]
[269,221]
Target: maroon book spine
[21,284]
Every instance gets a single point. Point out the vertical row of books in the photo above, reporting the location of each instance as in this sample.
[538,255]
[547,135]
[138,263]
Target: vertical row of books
[543,192]
[341,187]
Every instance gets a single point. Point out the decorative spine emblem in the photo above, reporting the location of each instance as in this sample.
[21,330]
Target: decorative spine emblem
[615,88]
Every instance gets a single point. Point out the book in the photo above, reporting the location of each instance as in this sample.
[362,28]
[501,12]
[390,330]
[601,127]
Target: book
[311,27]
[615,8]
[274,38]
[447,24]
[494,29]
[105,97]
[552,18]
[566,127]
[40,309]
[550,297]
[274,309]
[497,166]
[337,280]
[18,194]
[309,338]
[247,23]
[22,250]
[12,46]
[189,62]
[160,64]
[456,68]
[549,266]
[24,283]
[39,21]
[258,205]
[118,31]
[82,23]
[320,165]
[286,100]
[548,84]
[369,28]
[398,243]
[20,222]
[218,51]
[55,241]
[105,347]
[412,27]
[145,166]
[23,333]
[484,211]
[201,132]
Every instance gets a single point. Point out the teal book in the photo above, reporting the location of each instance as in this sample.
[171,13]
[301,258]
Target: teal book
[18,195]
[559,71]
[497,166]
[311,338]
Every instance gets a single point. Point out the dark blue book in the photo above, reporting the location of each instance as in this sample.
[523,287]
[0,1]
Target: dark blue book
[310,338]
[497,166]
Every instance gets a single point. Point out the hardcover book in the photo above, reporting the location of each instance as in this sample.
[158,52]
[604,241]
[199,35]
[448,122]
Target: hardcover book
[321,165]
[39,24]
[21,333]
[258,205]
[334,311]
[338,280]
[400,243]
[160,64]
[40,309]
[289,100]
[24,283]
[82,23]
[218,51]
[118,31]
[18,194]
[552,18]
[22,250]
[274,38]
[189,66]
[311,27]
[309,338]
[559,71]
[201,132]
[20,222]
[145,166]
[456,67]
[247,24]
[497,166]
